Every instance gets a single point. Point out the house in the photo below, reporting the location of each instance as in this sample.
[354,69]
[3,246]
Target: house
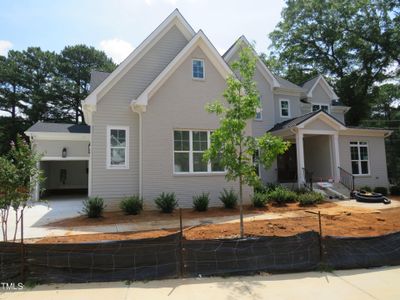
[147,126]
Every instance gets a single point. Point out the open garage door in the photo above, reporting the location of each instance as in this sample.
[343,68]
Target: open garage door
[64,178]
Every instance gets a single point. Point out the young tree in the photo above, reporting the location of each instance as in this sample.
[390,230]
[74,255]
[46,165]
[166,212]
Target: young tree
[19,176]
[230,144]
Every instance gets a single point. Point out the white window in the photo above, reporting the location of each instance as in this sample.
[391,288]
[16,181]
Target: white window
[284,108]
[117,147]
[189,147]
[359,158]
[198,69]
[259,111]
[316,106]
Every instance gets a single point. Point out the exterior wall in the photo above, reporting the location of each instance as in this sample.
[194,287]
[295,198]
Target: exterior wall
[180,104]
[318,125]
[377,160]
[54,148]
[77,176]
[318,156]
[339,116]
[319,96]
[113,109]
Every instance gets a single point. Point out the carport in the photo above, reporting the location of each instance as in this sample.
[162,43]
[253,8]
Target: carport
[65,161]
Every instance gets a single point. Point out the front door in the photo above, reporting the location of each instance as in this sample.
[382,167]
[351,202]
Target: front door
[287,165]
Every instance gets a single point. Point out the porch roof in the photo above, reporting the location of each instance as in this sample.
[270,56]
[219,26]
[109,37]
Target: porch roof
[59,128]
[299,120]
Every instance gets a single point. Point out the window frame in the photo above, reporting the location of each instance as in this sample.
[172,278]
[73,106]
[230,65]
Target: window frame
[191,152]
[358,145]
[320,105]
[260,112]
[280,108]
[204,69]
[108,150]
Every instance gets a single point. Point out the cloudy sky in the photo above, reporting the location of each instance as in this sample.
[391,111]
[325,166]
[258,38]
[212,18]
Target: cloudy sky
[118,26]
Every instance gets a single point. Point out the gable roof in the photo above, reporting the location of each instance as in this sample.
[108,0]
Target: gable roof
[260,64]
[199,40]
[96,78]
[288,85]
[312,83]
[175,18]
[294,122]
[58,127]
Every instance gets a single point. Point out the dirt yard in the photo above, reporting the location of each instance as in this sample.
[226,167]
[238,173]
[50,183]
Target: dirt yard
[336,220]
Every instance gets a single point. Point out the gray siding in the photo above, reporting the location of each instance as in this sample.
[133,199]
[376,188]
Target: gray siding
[319,96]
[54,148]
[114,109]
[180,104]
[377,159]
[295,110]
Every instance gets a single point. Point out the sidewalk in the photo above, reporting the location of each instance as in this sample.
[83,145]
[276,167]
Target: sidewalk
[381,283]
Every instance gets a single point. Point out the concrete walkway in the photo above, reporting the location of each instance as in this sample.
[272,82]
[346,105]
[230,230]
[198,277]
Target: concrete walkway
[382,283]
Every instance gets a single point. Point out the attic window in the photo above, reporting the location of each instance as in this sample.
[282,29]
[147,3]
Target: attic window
[198,69]
[316,106]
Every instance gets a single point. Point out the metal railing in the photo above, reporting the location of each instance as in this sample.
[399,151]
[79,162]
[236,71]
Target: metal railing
[346,178]
[308,177]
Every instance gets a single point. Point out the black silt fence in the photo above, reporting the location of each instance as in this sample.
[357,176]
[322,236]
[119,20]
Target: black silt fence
[240,256]
[364,252]
[144,259]
[10,261]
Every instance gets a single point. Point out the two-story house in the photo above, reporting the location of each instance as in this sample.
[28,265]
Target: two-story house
[148,128]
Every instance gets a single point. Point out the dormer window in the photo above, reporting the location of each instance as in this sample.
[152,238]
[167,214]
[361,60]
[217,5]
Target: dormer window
[324,107]
[198,69]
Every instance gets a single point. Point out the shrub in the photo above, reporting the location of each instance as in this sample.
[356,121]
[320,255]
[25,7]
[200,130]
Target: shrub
[310,198]
[259,199]
[166,202]
[93,207]
[395,190]
[366,188]
[200,202]
[132,205]
[282,195]
[301,190]
[381,190]
[264,189]
[228,198]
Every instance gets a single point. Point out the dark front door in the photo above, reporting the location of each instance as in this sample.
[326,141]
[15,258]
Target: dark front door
[287,165]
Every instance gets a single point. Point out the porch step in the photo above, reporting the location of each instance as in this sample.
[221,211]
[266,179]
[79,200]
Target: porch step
[337,190]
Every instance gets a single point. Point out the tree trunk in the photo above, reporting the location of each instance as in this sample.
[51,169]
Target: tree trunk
[241,206]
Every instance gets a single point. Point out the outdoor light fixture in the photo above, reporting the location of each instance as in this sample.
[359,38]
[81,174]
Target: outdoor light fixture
[64,152]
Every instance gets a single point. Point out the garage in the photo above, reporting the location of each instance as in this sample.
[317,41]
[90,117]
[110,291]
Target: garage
[65,159]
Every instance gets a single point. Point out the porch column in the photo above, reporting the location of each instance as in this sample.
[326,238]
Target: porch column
[36,193]
[300,158]
[336,150]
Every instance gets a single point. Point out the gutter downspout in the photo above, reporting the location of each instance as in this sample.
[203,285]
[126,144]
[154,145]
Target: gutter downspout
[140,156]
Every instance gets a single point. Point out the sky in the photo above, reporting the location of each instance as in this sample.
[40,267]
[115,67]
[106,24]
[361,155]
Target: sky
[118,26]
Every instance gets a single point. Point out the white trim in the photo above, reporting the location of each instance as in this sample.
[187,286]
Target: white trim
[140,154]
[325,118]
[300,158]
[259,110]
[359,158]
[336,152]
[175,18]
[57,136]
[366,132]
[108,150]
[59,158]
[327,88]
[260,64]
[90,164]
[320,105]
[199,40]
[204,69]
[280,108]
[316,131]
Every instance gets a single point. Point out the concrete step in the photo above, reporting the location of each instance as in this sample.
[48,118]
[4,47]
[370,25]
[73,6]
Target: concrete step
[336,190]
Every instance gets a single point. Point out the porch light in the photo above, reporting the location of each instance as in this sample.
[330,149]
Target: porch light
[64,152]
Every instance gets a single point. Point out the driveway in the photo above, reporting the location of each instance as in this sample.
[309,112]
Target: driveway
[381,283]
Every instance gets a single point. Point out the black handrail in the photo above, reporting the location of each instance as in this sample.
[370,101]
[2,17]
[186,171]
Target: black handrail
[308,176]
[346,178]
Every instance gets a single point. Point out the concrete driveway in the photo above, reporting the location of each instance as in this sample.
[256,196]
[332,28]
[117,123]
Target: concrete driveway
[381,283]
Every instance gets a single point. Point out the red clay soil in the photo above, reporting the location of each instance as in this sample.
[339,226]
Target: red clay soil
[342,223]
[118,217]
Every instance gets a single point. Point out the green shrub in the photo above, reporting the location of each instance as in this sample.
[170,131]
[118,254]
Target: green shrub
[381,190]
[166,202]
[282,195]
[310,198]
[228,198]
[93,207]
[132,205]
[200,202]
[366,188]
[395,190]
[264,189]
[259,199]
[301,190]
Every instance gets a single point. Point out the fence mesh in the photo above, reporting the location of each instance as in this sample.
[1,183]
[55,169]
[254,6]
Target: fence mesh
[10,261]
